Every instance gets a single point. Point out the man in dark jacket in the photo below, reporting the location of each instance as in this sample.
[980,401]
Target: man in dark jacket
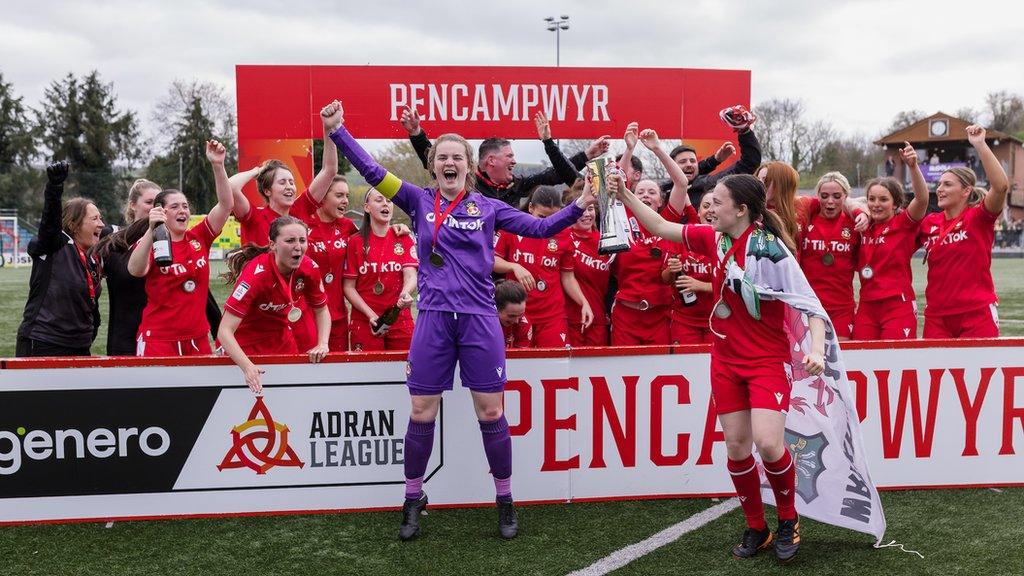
[700,174]
[494,175]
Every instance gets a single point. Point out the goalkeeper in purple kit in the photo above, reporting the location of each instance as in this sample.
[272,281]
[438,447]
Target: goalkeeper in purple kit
[458,321]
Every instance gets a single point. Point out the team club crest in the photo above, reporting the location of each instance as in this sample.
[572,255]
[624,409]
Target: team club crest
[195,244]
[300,284]
[259,443]
[846,233]
[807,452]
[399,250]
[472,209]
[552,245]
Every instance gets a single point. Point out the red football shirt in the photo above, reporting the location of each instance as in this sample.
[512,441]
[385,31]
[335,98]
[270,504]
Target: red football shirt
[638,270]
[592,272]
[828,256]
[746,339]
[519,334]
[887,248]
[328,247]
[959,261]
[255,227]
[176,294]
[382,262]
[263,297]
[545,259]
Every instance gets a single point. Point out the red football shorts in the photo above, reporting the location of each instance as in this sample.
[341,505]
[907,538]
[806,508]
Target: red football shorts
[759,384]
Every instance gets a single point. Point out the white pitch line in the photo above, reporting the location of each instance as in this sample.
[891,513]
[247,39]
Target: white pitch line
[624,556]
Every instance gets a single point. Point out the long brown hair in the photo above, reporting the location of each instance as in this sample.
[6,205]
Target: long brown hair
[892,186]
[365,229]
[73,214]
[748,191]
[784,181]
[265,177]
[237,259]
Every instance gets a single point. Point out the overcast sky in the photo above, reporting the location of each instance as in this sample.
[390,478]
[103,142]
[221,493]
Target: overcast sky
[854,63]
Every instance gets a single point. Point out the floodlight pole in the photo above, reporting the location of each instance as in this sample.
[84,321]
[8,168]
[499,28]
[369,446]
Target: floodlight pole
[557,26]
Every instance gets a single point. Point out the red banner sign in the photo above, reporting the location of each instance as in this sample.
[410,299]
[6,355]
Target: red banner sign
[278,106]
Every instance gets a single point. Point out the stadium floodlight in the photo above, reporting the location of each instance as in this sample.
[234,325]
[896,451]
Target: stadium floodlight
[556,26]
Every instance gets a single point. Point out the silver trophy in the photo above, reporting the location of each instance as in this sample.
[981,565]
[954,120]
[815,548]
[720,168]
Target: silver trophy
[611,221]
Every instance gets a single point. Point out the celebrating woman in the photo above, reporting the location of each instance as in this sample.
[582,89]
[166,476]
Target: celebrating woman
[752,254]
[690,273]
[888,305]
[829,250]
[62,311]
[329,232]
[380,273]
[263,307]
[458,322]
[174,321]
[593,272]
[961,297]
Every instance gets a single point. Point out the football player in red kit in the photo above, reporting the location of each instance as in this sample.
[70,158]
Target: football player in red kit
[545,267]
[380,273]
[263,307]
[829,250]
[888,305]
[174,319]
[961,297]
[690,273]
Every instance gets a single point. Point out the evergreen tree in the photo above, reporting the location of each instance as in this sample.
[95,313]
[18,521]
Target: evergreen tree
[19,182]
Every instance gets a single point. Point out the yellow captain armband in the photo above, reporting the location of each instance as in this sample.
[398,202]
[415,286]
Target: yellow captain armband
[389,185]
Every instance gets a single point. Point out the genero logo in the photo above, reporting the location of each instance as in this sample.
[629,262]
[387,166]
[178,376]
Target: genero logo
[73,444]
[259,443]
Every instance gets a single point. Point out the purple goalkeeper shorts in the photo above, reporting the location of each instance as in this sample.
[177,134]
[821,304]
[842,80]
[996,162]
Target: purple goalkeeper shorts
[440,339]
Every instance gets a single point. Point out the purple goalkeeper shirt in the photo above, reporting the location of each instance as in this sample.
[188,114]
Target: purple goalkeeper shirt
[465,240]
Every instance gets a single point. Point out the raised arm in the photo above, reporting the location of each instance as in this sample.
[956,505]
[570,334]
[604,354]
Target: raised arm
[919,205]
[998,183]
[647,217]
[523,224]
[218,216]
[678,199]
[596,148]
[329,165]
[561,171]
[49,238]
[420,143]
[241,205]
[138,261]
[631,136]
[385,182]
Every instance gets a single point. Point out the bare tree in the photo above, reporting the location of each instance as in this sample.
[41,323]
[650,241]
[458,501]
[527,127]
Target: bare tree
[968,114]
[1006,111]
[904,119]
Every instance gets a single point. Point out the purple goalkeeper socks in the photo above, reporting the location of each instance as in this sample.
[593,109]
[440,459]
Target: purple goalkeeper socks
[419,442]
[498,448]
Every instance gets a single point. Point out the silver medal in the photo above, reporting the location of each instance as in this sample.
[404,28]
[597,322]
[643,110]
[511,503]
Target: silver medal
[722,310]
[541,285]
[328,278]
[294,314]
[866,272]
[189,286]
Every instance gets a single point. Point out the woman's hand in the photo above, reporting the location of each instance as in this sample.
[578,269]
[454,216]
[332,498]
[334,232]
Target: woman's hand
[650,139]
[404,300]
[156,216]
[976,135]
[674,265]
[215,152]
[588,315]
[814,363]
[861,222]
[524,277]
[333,115]
[318,353]
[254,378]
[909,155]
[632,135]
[401,230]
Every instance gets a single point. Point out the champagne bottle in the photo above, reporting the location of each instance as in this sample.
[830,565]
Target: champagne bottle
[162,246]
[385,320]
[688,296]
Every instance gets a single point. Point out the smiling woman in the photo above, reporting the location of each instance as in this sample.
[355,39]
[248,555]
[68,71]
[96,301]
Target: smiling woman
[62,311]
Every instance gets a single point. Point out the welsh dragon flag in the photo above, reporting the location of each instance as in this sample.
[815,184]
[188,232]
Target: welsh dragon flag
[822,429]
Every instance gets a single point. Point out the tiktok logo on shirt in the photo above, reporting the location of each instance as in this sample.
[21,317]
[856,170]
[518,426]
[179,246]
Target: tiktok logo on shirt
[452,222]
